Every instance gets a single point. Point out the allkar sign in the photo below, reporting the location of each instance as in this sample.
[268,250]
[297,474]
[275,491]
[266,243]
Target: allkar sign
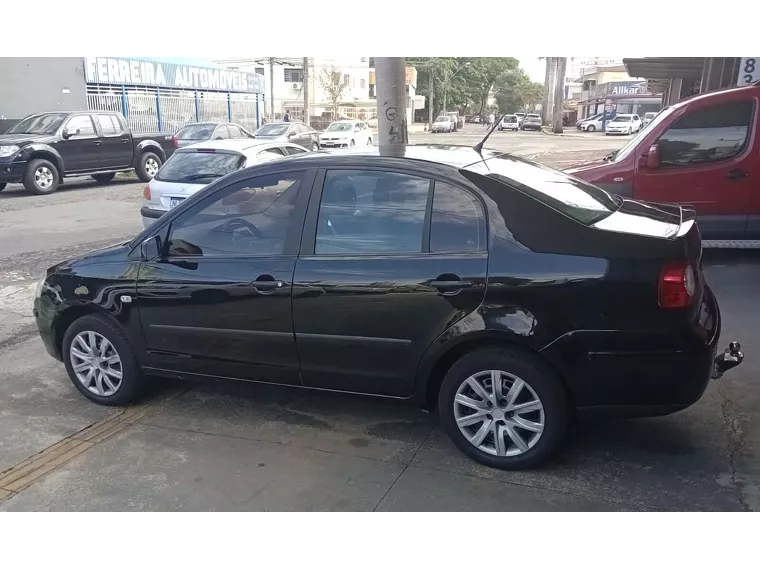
[123,71]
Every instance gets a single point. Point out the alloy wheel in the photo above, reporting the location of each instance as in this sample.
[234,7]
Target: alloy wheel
[96,363]
[43,177]
[499,413]
[151,167]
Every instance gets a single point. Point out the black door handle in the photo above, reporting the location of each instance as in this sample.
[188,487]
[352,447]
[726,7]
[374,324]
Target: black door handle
[737,174]
[267,285]
[450,285]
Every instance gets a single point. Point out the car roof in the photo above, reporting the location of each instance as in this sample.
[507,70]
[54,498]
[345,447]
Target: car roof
[234,144]
[435,154]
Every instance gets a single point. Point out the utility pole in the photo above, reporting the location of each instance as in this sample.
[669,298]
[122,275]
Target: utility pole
[271,88]
[559,94]
[391,102]
[306,90]
[431,97]
[547,88]
[551,87]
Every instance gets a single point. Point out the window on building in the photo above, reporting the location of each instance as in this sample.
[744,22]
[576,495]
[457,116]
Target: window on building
[371,212]
[363,83]
[707,135]
[293,75]
[260,70]
[346,80]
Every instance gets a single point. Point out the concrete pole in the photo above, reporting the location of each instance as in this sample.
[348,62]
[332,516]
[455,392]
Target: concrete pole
[271,88]
[431,98]
[306,90]
[559,93]
[551,87]
[547,91]
[391,102]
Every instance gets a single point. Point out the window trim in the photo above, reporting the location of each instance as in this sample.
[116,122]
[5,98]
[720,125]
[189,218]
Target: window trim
[292,238]
[740,155]
[309,238]
[114,123]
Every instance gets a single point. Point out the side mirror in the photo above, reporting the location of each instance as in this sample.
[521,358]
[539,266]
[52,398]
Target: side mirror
[150,249]
[292,135]
[68,134]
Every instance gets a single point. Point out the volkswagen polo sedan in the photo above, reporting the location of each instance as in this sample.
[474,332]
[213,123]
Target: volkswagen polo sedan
[500,292]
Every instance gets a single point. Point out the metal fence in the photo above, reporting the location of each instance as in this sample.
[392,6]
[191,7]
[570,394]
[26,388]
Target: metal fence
[168,110]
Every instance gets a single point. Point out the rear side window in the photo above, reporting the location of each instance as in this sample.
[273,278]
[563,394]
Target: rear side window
[291,150]
[235,132]
[108,125]
[457,223]
[199,167]
[707,135]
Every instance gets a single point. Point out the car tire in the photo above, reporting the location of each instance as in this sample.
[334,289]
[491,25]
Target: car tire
[590,128]
[95,328]
[41,177]
[630,131]
[2,185]
[103,178]
[541,392]
[314,147]
[148,166]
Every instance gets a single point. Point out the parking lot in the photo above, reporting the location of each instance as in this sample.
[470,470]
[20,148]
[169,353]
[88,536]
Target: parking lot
[221,446]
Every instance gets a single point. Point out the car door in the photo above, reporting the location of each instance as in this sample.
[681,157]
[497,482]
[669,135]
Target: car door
[115,148]
[709,160]
[377,281]
[80,150]
[304,136]
[217,301]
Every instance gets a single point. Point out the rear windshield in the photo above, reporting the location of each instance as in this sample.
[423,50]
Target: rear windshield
[579,200]
[510,118]
[199,167]
[272,129]
[196,132]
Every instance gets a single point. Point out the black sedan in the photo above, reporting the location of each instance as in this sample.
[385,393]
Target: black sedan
[503,293]
[204,131]
[296,132]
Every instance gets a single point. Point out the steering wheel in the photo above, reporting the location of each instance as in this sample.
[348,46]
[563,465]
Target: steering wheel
[240,229]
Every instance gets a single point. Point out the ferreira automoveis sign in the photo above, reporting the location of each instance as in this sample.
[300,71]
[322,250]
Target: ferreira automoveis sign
[124,71]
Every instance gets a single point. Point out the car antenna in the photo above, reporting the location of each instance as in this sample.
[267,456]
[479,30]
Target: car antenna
[479,146]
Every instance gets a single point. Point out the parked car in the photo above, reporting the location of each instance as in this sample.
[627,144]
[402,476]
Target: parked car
[203,131]
[342,134]
[703,151]
[501,292]
[42,149]
[520,117]
[193,167]
[509,122]
[623,124]
[443,123]
[531,122]
[458,121]
[296,132]
[648,117]
[475,119]
[596,123]
[591,118]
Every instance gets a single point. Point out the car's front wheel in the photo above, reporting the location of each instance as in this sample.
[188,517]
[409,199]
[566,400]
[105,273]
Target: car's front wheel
[590,128]
[503,408]
[41,177]
[100,362]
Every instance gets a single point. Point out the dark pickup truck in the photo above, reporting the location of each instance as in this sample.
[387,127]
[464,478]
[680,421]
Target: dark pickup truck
[42,149]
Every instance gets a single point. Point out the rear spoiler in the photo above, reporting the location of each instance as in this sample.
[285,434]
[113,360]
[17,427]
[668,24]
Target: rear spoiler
[688,218]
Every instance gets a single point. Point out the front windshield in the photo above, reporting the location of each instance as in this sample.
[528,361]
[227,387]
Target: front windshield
[622,118]
[442,119]
[575,198]
[196,132]
[271,130]
[341,127]
[39,124]
[199,167]
[634,142]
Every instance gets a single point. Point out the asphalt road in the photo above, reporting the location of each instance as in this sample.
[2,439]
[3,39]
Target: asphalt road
[221,446]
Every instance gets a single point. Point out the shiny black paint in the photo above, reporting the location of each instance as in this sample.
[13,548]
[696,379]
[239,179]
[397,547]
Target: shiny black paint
[581,299]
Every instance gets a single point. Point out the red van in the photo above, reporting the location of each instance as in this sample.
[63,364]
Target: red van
[703,151]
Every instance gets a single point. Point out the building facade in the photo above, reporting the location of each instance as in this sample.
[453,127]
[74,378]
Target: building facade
[34,84]
[611,87]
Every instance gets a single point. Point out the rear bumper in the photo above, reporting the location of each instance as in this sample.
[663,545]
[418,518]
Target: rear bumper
[661,375]
[149,216]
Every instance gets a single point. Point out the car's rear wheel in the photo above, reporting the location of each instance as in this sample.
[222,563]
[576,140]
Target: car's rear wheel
[41,177]
[148,166]
[630,131]
[100,362]
[590,128]
[103,178]
[503,408]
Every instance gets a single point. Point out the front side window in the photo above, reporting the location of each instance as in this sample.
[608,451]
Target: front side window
[221,133]
[247,219]
[234,131]
[457,223]
[365,212]
[707,135]
[81,123]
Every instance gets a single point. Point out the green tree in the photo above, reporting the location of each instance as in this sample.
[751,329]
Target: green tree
[516,92]
[334,86]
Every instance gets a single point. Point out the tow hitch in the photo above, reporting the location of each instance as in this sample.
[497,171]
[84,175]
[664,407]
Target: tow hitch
[731,358]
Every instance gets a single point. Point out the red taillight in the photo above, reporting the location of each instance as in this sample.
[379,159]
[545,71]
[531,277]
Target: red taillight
[677,285]
[175,141]
[146,193]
